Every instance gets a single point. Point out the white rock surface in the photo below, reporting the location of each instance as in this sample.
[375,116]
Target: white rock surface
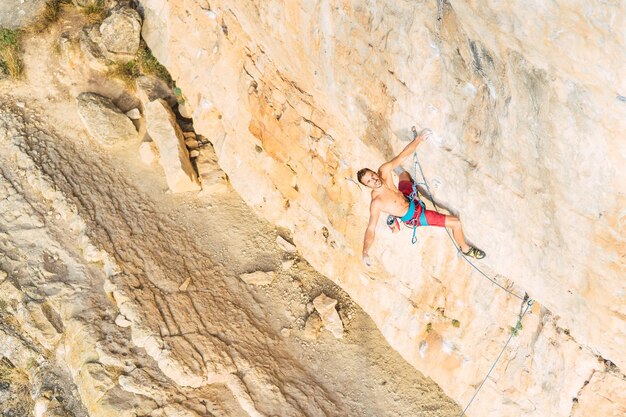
[120,32]
[313,327]
[122,321]
[325,306]
[148,152]
[173,155]
[604,395]
[17,13]
[287,264]
[213,346]
[104,121]
[134,114]
[285,245]
[258,277]
[213,179]
[89,40]
[185,109]
[513,99]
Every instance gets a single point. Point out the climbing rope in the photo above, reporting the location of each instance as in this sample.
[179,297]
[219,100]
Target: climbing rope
[514,332]
[416,165]
[528,302]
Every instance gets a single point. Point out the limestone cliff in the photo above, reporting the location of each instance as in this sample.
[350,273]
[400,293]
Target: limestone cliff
[527,103]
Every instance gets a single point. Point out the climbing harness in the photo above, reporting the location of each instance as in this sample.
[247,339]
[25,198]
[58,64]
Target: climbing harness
[514,331]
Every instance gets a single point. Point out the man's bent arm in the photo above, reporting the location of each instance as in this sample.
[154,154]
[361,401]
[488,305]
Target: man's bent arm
[406,152]
[370,232]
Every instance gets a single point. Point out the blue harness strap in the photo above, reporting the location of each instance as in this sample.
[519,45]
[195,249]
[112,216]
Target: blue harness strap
[410,212]
[423,221]
[414,196]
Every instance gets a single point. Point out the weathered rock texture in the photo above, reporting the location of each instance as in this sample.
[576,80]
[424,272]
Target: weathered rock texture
[526,102]
[325,307]
[212,177]
[18,13]
[173,155]
[106,123]
[120,32]
[115,39]
[112,306]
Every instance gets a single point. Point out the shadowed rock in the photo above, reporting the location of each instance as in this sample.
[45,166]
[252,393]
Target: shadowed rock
[104,121]
[213,179]
[174,158]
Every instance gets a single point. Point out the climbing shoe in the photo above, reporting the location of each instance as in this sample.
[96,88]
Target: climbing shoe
[475,253]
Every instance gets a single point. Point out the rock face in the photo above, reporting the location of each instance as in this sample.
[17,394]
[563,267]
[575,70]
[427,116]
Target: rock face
[17,13]
[148,152]
[183,337]
[300,97]
[150,88]
[104,121]
[115,39]
[120,32]
[173,155]
[212,178]
[603,396]
[89,46]
[258,278]
[325,306]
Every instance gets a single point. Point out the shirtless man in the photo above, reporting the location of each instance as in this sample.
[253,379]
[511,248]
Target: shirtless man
[388,198]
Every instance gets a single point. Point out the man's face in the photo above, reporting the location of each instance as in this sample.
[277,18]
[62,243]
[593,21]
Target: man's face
[370,179]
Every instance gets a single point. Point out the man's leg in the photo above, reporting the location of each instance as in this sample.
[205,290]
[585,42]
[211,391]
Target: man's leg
[457,231]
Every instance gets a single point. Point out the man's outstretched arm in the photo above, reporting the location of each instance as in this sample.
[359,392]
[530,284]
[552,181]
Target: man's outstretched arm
[406,152]
[370,232]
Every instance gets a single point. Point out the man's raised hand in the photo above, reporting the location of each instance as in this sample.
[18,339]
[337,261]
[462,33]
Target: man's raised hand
[425,134]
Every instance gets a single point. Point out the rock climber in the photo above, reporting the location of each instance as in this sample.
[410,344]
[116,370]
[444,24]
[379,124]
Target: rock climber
[395,201]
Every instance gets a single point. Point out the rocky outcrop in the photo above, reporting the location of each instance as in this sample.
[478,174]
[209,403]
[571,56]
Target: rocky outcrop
[602,395]
[91,50]
[258,278]
[18,13]
[212,178]
[184,335]
[173,155]
[325,307]
[150,88]
[120,33]
[106,123]
[115,39]
[148,152]
[299,98]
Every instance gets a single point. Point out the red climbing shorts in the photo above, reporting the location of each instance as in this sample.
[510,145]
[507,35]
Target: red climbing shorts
[432,217]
